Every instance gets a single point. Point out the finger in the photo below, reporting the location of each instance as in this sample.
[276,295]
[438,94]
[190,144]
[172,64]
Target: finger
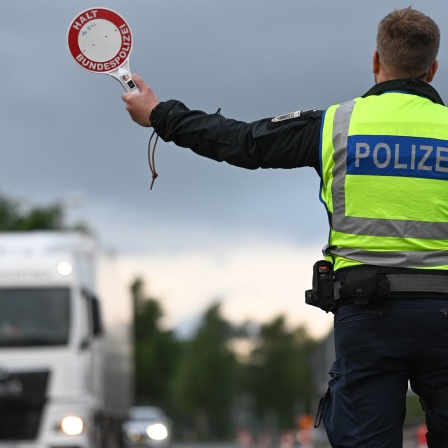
[141,84]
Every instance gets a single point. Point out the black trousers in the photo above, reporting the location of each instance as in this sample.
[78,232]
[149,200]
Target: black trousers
[378,354]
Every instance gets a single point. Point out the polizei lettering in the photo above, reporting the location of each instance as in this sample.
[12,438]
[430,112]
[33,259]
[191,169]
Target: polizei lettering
[397,156]
[100,66]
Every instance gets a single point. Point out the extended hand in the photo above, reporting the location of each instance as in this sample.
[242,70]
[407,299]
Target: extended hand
[140,105]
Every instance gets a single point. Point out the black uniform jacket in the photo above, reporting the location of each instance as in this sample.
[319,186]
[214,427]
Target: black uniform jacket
[287,143]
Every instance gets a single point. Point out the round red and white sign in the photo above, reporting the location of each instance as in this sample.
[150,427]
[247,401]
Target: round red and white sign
[100,40]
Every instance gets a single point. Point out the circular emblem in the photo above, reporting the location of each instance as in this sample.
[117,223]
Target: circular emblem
[99,40]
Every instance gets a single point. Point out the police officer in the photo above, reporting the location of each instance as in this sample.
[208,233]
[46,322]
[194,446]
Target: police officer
[383,161]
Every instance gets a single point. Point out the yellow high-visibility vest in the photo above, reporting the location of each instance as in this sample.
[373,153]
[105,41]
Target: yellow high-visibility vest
[384,162]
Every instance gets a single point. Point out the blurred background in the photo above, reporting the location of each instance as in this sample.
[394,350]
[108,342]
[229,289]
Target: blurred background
[215,259]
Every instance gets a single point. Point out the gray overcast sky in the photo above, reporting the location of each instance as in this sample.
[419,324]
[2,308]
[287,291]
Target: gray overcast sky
[64,130]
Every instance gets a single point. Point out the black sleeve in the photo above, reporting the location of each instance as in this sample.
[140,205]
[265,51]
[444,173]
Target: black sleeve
[289,143]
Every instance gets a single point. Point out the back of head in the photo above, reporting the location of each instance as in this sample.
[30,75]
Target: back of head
[407,43]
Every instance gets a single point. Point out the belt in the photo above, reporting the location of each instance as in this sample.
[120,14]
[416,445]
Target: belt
[406,285]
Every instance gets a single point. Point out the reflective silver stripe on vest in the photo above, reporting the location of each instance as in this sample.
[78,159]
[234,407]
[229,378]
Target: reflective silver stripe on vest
[369,226]
[403,259]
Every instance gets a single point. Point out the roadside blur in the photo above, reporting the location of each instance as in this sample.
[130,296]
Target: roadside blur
[413,437]
[148,427]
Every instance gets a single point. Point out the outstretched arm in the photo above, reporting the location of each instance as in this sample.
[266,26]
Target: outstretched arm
[265,143]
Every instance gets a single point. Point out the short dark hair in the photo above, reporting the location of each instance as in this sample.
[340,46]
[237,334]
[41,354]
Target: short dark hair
[407,42]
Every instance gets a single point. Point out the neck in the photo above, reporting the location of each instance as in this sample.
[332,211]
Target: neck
[382,77]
